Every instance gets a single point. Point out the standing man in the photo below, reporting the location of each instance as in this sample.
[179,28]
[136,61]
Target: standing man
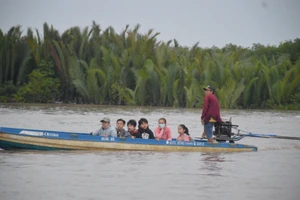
[210,112]
[106,129]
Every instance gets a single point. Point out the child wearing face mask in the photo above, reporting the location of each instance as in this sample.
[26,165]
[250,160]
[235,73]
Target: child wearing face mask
[162,131]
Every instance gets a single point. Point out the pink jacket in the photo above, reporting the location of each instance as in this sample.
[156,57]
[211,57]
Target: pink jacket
[184,137]
[164,134]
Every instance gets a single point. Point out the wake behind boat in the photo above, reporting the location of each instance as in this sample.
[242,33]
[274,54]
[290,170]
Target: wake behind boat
[18,138]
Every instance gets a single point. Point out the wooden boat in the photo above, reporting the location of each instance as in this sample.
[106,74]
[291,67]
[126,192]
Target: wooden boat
[16,138]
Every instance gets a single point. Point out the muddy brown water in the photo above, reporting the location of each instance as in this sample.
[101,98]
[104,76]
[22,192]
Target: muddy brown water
[270,173]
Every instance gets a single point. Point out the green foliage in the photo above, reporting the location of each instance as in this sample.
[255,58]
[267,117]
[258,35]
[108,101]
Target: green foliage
[295,99]
[91,65]
[7,91]
[42,86]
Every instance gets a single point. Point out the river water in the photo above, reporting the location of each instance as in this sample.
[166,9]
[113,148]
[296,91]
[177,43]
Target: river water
[270,173]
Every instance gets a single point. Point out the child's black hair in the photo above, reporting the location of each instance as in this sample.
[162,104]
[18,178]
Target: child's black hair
[143,120]
[186,130]
[132,122]
[121,120]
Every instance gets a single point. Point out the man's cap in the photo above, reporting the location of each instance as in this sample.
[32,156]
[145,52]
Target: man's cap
[209,87]
[105,119]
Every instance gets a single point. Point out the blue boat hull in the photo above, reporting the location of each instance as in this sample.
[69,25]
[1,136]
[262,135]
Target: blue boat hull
[15,138]
[17,145]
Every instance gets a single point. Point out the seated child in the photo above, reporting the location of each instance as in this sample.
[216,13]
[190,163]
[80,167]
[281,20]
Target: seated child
[144,130]
[183,132]
[131,129]
[162,131]
[120,129]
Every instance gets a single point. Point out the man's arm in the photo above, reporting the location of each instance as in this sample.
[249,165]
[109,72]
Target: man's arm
[151,134]
[159,132]
[205,107]
[169,134]
[96,132]
[113,132]
[127,134]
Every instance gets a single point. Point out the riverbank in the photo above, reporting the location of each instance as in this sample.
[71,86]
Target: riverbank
[291,107]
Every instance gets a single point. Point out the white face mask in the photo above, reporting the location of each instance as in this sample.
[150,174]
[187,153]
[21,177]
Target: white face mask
[162,125]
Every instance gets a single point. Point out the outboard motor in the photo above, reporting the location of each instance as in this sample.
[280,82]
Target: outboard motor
[223,130]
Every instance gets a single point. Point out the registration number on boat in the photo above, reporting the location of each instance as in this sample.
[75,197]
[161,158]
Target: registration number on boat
[185,143]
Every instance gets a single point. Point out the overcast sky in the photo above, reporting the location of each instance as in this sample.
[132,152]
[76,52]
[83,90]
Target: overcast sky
[209,22]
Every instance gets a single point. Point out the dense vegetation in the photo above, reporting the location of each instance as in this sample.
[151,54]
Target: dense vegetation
[104,67]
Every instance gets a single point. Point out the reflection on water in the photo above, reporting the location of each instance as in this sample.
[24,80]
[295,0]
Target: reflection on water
[270,173]
[212,162]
